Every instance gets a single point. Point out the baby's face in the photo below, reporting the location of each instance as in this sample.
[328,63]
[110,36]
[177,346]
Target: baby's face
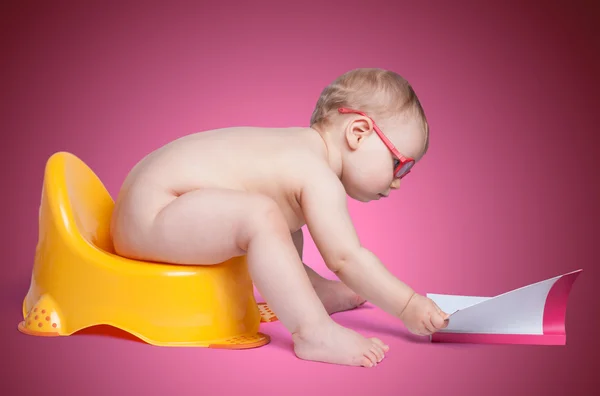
[369,171]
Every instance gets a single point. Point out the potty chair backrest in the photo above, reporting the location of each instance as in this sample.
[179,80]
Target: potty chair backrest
[83,204]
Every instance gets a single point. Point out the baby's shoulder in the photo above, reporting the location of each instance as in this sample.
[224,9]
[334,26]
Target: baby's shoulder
[306,163]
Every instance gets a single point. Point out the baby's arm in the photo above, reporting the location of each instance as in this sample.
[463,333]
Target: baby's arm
[323,201]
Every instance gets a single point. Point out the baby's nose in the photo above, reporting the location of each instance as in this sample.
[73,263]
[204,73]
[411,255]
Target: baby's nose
[395,184]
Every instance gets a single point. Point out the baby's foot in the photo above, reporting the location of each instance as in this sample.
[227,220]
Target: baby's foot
[332,343]
[336,296]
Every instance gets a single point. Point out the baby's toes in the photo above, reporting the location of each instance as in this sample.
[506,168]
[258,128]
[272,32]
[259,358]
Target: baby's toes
[377,341]
[376,349]
[372,358]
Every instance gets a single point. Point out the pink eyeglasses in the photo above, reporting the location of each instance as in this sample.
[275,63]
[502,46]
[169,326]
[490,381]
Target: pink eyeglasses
[402,164]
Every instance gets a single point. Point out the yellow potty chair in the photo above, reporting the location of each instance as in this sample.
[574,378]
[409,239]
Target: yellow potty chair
[78,281]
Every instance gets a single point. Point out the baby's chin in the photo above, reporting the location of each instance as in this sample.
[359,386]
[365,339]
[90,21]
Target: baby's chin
[359,194]
[362,197]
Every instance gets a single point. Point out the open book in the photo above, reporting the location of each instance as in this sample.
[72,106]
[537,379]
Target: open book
[534,314]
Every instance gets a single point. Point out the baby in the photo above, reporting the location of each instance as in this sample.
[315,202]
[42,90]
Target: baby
[210,196]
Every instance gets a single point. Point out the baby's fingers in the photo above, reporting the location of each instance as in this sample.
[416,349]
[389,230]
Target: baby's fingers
[438,321]
[429,327]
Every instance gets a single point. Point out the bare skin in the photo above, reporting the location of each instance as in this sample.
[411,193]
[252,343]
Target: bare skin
[335,295]
[210,196]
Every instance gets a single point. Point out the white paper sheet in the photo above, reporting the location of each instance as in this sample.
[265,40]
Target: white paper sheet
[519,311]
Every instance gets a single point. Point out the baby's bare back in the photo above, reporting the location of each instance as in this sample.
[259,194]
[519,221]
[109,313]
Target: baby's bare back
[264,161]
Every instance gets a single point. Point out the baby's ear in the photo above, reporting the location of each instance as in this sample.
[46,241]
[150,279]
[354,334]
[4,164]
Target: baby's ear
[357,131]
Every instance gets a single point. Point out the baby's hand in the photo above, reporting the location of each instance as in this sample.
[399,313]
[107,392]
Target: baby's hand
[422,316]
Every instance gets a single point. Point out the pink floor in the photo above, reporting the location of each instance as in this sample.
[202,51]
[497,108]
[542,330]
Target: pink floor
[111,363]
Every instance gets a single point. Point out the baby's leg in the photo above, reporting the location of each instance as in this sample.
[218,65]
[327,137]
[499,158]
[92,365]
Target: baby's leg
[211,225]
[335,295]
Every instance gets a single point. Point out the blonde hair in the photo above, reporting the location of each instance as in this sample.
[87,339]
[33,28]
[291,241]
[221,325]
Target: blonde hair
[377,92]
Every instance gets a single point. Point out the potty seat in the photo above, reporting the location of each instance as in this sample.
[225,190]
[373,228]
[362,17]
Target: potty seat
[78,281]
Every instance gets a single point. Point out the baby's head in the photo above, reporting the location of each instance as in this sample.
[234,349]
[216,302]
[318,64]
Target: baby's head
[348,113]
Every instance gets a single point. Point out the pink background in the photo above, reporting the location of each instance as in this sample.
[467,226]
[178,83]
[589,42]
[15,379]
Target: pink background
[507,195]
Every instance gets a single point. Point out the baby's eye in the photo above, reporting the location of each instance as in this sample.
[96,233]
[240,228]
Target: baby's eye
[396,163]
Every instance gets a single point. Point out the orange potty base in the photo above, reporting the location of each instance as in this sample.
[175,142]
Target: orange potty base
[243,342]
[42,320]
[240,342]
[26,329]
